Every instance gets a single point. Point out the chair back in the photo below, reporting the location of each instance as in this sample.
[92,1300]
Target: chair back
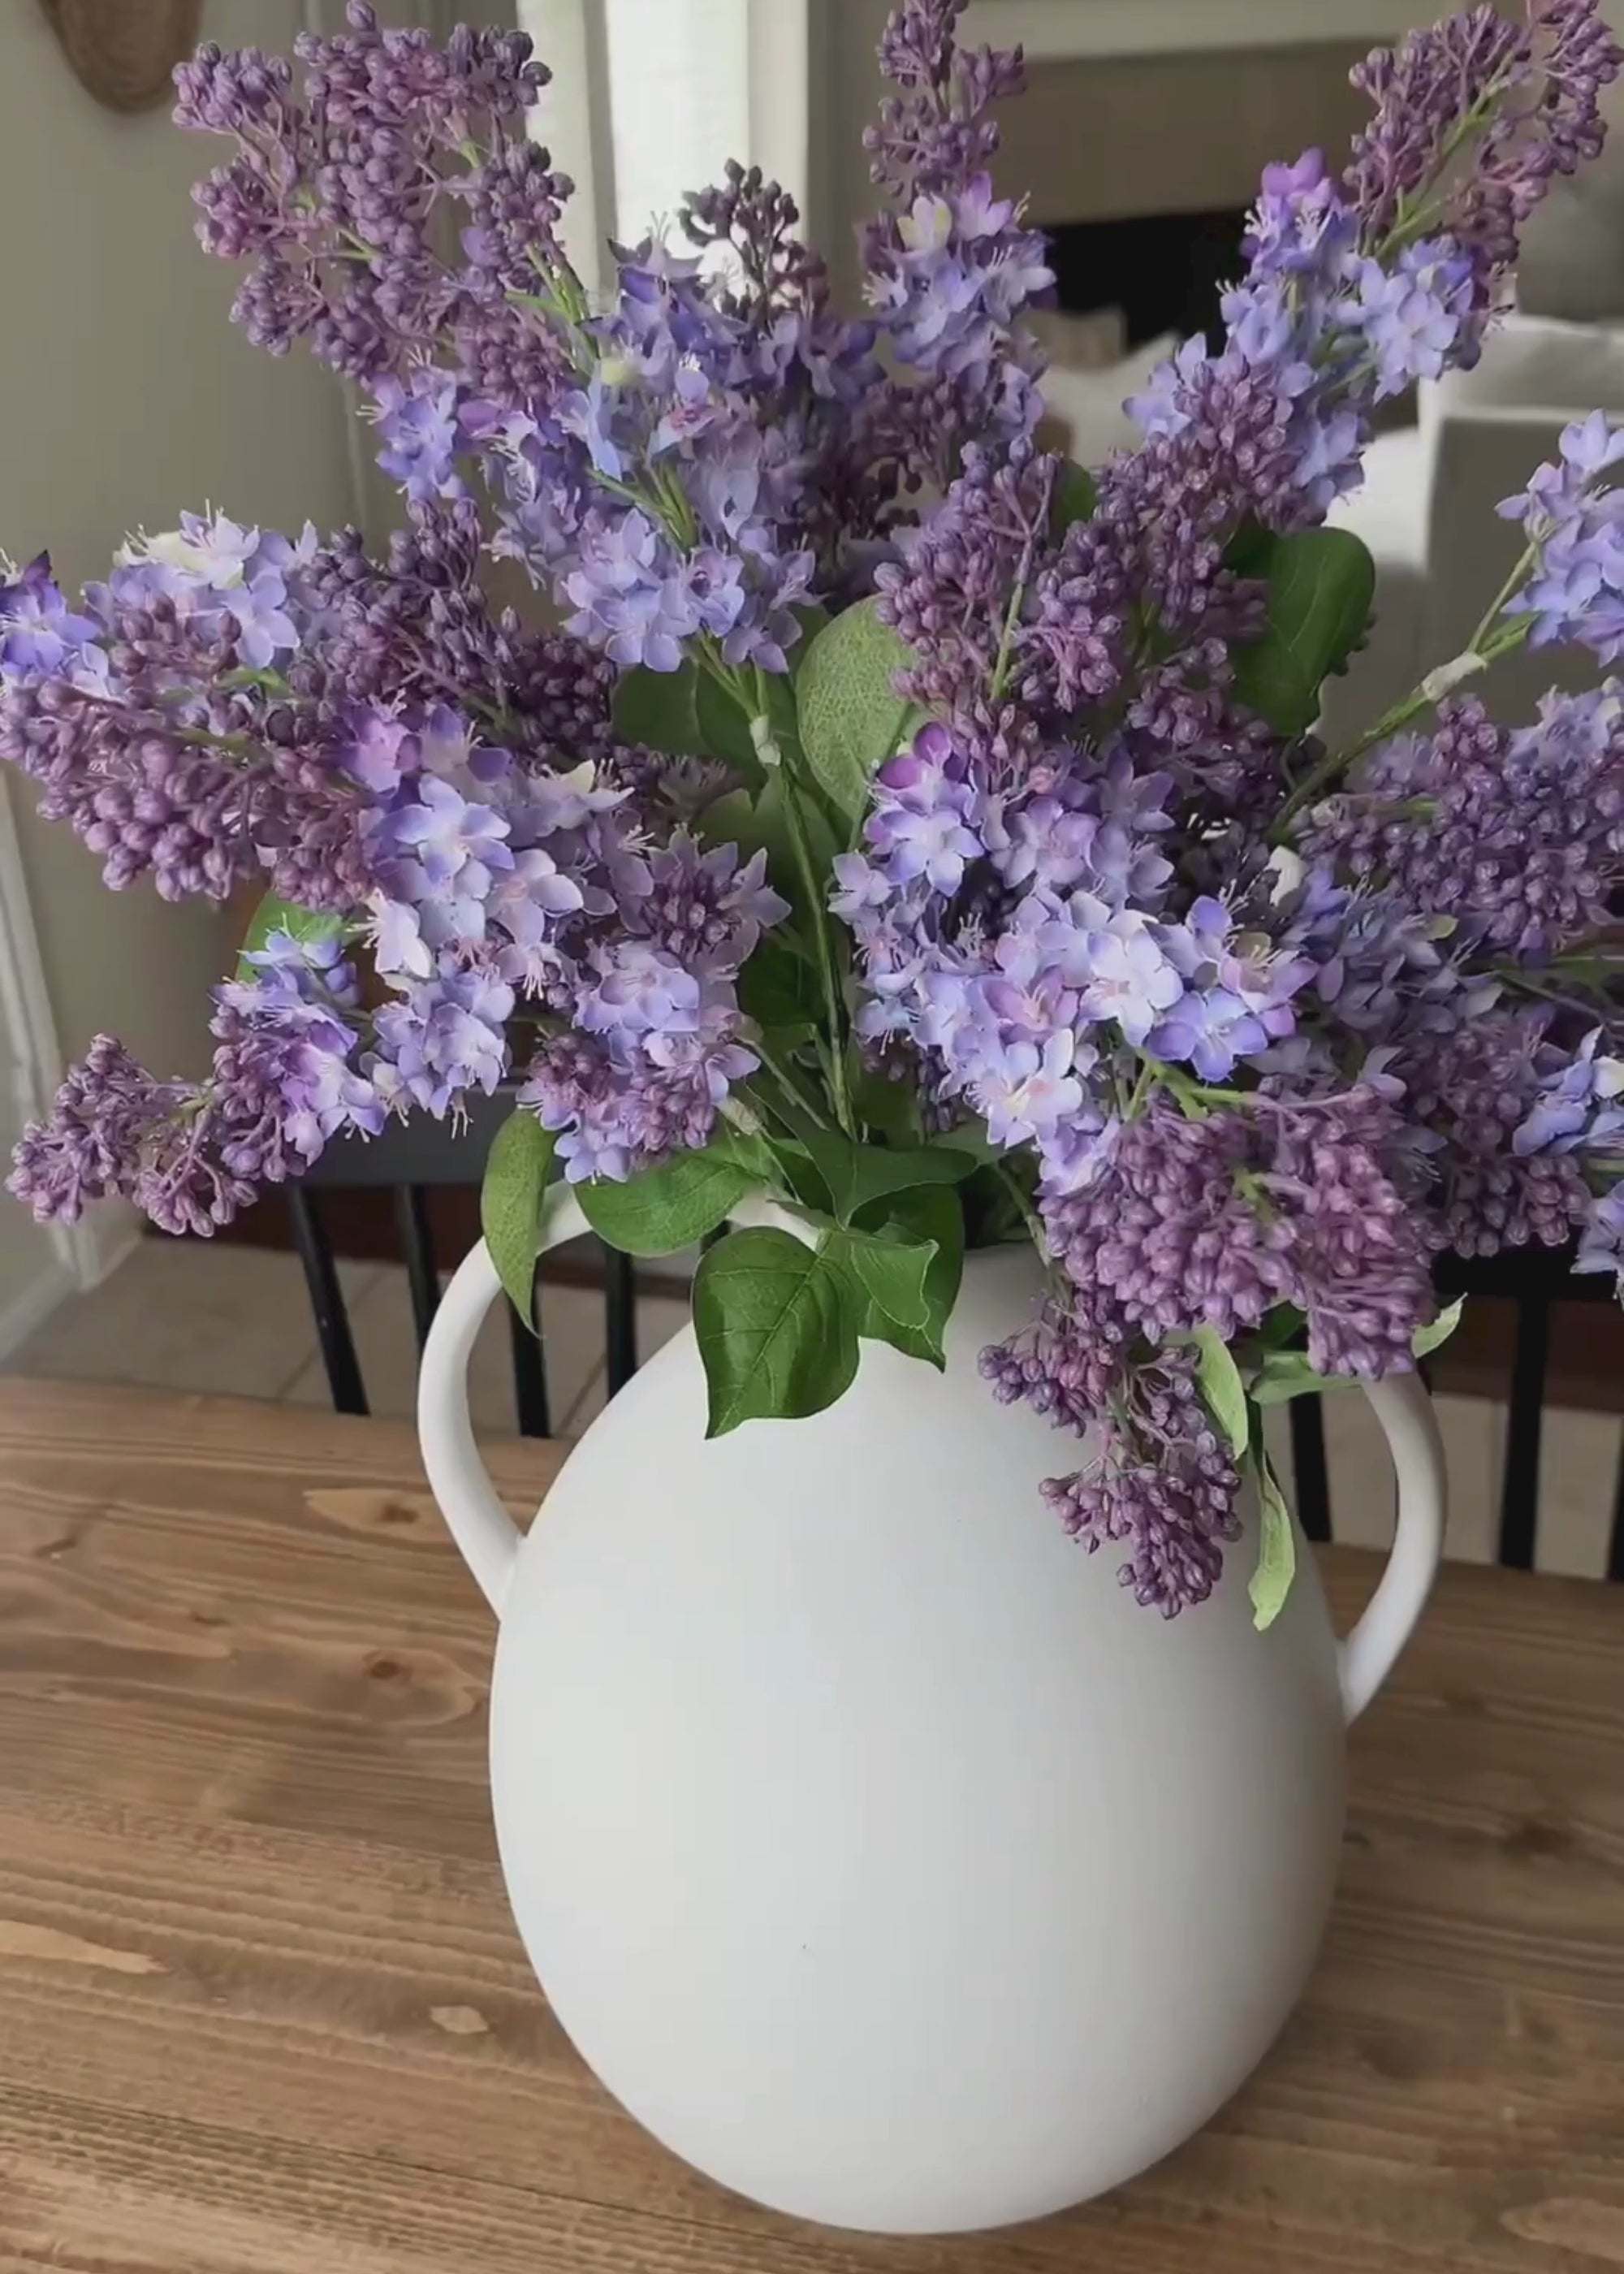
[412,1159]
[1535,1280]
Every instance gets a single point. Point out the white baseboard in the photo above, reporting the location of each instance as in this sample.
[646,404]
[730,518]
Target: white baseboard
[73,1259]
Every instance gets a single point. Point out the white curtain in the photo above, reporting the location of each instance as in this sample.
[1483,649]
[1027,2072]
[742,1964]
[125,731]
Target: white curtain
[649,98]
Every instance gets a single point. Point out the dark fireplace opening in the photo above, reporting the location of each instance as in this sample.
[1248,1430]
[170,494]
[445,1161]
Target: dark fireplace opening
[1164,271]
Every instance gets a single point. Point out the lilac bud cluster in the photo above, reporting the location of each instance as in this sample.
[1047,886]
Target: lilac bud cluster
[339,199]
[1514,104]
[1516,833]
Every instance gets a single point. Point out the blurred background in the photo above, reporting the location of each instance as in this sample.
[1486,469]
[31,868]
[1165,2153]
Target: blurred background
[127,394]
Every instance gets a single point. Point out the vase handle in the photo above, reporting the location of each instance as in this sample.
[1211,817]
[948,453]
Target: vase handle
[481,1526]
[1367,1658]
[478,1522]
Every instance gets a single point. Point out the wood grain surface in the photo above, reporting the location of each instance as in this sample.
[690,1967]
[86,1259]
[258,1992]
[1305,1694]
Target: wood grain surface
[262,2010]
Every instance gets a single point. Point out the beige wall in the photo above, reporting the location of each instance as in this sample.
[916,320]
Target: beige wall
[125,394]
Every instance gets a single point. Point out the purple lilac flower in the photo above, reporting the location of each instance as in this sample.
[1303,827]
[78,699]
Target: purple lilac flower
[1601,1237]
[1472,118]
[417,423]
[381,145]
[1213,1221]
[90,1148]
[39,634]
[636,991]
[1514,835]
[445,1037]
[1577,1105]
[918,826]
[1577,592]
[617,1114]
[1415,312]
[1471,1091]
[948,272]
[191,1156]
[1028,1091]
[1159,1480]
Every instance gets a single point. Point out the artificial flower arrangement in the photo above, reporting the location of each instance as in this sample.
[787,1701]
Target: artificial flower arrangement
[905,823]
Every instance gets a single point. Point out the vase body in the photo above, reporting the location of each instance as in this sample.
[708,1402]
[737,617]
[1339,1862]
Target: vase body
[879,1852]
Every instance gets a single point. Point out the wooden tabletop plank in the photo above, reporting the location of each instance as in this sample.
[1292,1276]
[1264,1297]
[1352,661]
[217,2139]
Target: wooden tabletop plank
[261,2005]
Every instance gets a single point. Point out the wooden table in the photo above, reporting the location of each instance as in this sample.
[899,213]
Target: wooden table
[261,2007]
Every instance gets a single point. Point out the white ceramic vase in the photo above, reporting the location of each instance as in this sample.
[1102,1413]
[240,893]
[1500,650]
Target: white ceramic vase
[874,1849]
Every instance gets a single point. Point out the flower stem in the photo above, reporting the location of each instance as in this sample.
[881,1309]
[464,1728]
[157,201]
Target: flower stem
[781,1074]
[750,694]
[818,916]
[1030,1217]
[1487,646]
[1018,596]
[1149,1075]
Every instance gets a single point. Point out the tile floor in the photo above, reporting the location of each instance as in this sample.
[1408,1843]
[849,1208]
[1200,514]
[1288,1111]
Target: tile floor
[232,1320]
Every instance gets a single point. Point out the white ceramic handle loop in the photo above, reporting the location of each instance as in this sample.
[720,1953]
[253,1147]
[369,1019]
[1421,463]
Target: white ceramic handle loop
[478,1522]
[1365,1659]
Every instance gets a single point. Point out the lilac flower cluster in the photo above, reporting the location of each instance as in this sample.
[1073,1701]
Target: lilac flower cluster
[949,272]
[1024,989]
[1575,535]
[679,468]
[1514,104]
[1514,834]
[1161,1480]
[338,200]
[496,887]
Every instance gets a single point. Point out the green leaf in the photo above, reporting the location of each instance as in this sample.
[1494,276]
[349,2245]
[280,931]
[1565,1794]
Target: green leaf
[759,822]
[306,925]
[671,1207]
[1427,1339]
[1076,496]
[928,1214]
[777,987]
[1320,586]
[1285,1374]
[811,615]
[517,1174]
[890,1275]
[1223,1388]
[992,1215]
[1271,1581]
[890,1109]
[851,715]
[1283,1325]
[777,1325]
[858,1175]
[724,730]
[659,709]
[795,1163]
[1251,549]
[971,1137]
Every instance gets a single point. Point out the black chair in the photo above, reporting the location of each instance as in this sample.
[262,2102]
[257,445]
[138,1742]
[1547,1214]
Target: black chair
[1534,1279]
[411,1159]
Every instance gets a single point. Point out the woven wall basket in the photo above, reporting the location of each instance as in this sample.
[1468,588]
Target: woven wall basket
[125,50]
